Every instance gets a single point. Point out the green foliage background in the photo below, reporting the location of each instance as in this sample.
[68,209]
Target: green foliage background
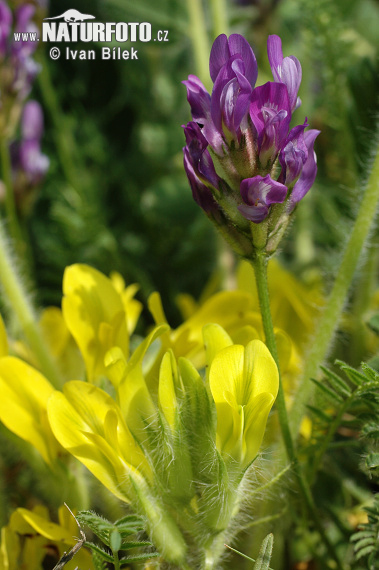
[117,197]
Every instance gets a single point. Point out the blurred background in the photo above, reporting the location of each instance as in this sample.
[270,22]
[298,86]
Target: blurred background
[116,195]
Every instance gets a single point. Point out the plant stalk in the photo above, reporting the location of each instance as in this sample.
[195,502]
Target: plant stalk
[10,204]
[260,268]
[220,17]
[335,304]
[199,38]
[16,296]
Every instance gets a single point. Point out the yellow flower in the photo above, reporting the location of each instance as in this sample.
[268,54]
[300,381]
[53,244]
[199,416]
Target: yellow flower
[95,315]
[30,537]
[23,405]
[244,383]
[89,424]
[133,308]
[230,309]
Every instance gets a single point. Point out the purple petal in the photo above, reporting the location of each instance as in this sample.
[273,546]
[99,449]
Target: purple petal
[293,154]
[32,121]
[219,56]
[230,97]
[200,101]
[5,26]
[259,193]
[275,56]
[308,174]
[284,70]
[32,161]
[201,193]
[24,15]
[270,114]
[198,154]
[239,46]
[198,98]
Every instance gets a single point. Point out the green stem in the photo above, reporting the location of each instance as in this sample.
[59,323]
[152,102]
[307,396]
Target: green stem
[10,204]
[335,304]
[116,561]
[220,17]
[260,268]
[199,38]
[20,304]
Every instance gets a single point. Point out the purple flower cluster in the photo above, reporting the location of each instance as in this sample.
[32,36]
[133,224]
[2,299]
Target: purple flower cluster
[26,153]
[29,164]
[240,152]
[18,67]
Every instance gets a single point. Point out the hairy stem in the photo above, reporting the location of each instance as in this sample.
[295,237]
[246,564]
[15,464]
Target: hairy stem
[260,268]
[18,300]
[335,304]
[10,204]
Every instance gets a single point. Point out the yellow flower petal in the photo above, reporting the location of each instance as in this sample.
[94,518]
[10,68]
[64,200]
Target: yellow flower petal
[94,314]
[244,383]
[88,423]
[45,527]
[23,405]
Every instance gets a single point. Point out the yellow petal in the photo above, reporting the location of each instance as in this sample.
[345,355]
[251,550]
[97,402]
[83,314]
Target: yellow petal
[154,303]
[260,371]
[83,419]
[23,403]
[45,527]
[215,339]
[94,314]
[244,383]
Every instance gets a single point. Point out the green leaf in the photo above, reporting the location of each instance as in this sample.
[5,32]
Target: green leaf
[139,557]
[319,413]
[265,553]
[115,541]
[356,377]
[100,552]
[135,520]
[135,544]
[336,382]
[328,391]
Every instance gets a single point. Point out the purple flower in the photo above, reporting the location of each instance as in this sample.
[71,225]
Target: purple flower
[5,26]
[309,170]
[32,121]
[24,15]
[200,192]
[199,167]
[26,153]
[270,114]
[200,102]
[293,155]
[199,155]
[258,194]
[233,68]
[285,70]
[239,150]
